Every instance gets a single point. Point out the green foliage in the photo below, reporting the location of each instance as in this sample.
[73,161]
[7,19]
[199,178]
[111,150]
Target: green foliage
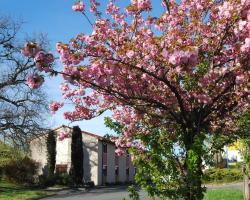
[56,179]
[21,170]
[133,193]
[244,131]
[217,175]
[51,152]
[8,153]
[16,166]
[113,125]
[76,170]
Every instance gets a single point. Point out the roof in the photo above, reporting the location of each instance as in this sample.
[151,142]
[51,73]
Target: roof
[101,138]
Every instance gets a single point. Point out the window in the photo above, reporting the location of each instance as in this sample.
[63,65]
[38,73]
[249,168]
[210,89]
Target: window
[61,169]
[116,170]
[116,160]
[104,148]
[104,170]
[127,171]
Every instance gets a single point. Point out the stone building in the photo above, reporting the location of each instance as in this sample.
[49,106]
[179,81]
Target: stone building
[101,164]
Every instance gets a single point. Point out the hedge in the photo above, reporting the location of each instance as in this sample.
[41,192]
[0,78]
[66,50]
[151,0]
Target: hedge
[217,175]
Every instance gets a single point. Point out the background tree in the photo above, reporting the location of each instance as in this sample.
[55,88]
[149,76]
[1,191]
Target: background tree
[173,75]
[76,170]
[22,110]
[51,153]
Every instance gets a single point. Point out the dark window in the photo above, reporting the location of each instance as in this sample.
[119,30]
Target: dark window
[104,170]
[116,171]
[61,169]
[104,148]
[127,171]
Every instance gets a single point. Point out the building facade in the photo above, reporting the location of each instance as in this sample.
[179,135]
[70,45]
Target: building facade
[101,164]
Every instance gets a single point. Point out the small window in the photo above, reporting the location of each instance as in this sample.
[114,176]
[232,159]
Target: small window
[104,170]
[116,171]
[127,171]
[61,169]
[104,148]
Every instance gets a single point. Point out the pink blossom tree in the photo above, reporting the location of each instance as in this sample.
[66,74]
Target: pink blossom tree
[184,71]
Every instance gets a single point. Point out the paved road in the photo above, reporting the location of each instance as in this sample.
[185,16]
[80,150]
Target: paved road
[116,193]
[111,193]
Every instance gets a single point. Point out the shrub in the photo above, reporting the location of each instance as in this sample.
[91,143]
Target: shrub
[222,175]
[63,179]
[21,170]
[76,170]
[51,152]
[56,179]
[46,181]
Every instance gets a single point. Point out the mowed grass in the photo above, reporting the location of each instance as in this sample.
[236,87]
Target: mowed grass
[224,194]
[14,192]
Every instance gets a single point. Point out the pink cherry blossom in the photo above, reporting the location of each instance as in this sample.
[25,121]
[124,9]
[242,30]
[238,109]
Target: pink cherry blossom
[78,6]
[119,152]
[34,81]
[30,49]
[130,54]
[54,106]
[245,48]
[62,136]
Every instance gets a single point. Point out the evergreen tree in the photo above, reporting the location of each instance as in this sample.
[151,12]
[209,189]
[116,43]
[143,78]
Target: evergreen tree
[51,153]
[76,171]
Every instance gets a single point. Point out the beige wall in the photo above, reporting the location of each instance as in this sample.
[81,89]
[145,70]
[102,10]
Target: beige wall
[38,152]
[90,157]
[111,163]
[100,162]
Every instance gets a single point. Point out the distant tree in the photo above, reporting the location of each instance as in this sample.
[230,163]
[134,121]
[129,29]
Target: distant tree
[51,153]
[244,131]
[76,171]
[22,110]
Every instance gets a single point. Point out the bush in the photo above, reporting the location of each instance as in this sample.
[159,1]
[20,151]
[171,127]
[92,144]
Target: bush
[63,179]
[56,179]
[46,181]
[217,175]
[21,170]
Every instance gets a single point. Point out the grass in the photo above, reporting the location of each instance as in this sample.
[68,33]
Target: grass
[10,191]
[224,194]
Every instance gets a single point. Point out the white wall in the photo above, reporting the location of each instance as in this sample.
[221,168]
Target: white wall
[38,152]
[63,148]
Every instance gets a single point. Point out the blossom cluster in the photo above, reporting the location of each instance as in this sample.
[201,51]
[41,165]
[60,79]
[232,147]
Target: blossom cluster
[34,81]
[188,63]
[78,6]
[63,135]
[42,60]
[54,106]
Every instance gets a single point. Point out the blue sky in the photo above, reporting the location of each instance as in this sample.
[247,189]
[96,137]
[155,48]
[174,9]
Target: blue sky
[56,18]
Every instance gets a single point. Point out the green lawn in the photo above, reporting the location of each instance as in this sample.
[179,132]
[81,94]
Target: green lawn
[224,194]
[13,192]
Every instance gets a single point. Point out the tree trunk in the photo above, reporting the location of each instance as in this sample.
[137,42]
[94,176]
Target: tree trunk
[193,168]
[246,187]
